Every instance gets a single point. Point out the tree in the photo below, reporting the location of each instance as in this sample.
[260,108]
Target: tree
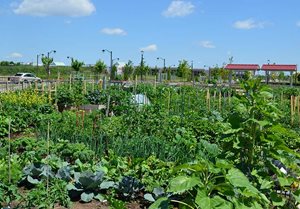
[281,76]
[113,73]
[76,65]
[184,70]
[128,70]
[47,61]
[142,70]
[100,67]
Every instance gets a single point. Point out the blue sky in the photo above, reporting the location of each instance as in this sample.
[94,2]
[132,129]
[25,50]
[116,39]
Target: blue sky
[206,31]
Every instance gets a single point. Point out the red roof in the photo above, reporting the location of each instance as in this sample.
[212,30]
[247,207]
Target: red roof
[268,67]
[242,67]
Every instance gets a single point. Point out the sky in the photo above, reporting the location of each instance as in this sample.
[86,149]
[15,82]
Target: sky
[205,32]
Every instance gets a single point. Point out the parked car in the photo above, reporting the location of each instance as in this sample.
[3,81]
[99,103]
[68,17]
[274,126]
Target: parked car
[24,77]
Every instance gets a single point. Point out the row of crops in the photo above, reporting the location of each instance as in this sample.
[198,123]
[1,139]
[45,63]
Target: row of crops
[191,147]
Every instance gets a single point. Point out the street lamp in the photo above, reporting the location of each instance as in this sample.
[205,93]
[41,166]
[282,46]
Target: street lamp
[115,59]
[164,60]
[111,61]
[48,64]
[48,53]
[71,58]
[37,60]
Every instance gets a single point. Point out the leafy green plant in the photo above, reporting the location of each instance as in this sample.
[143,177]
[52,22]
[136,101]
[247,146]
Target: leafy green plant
[130,188]
[86,186]
[41,197]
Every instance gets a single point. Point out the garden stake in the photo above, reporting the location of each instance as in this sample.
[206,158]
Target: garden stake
[49,91]
[82,119]
[208,99]
[48,152]
[214,102]
[70,81]
[43,87]
[9,151]
[107,109]
[292,109]
[220,101]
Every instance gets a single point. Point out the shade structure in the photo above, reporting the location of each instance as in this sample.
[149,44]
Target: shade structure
[273,67]
[241,67]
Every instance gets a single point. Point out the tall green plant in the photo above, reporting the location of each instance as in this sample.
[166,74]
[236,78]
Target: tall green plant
[47,61]
[76,65]
[128,70]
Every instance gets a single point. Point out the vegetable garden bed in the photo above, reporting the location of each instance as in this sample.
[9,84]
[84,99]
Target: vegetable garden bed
[189,147]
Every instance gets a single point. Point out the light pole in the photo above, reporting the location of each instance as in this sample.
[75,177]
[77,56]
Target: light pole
[48,65]
[48,53]
[142,64]
[164,60]
[37,60]
[111,61]
[68,57]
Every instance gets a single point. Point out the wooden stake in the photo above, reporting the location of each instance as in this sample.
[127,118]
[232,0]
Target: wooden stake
[208,99]
[9,151]
[220,101]
[292,110]
[82,118]
[70,81]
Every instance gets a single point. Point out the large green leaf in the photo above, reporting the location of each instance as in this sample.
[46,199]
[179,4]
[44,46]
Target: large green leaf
[276,199]
[182,184]
[87,197]
[296,195]
[237,178]
[161,203]
[220,203]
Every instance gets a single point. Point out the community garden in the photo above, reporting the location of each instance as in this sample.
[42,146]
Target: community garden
[181,147]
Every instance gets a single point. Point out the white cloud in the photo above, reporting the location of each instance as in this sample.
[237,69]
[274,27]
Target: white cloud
[15,55]
[207,44]
[298,23]
[249,24]
[179,8]
[150,48]
[71,8]
[114,31]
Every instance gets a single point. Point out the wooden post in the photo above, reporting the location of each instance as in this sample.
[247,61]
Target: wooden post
[220,101]
[292,110]
[49,91]
[43,87]
[82,119]
[208,99]
[9,151]
[70,80]
[6,86]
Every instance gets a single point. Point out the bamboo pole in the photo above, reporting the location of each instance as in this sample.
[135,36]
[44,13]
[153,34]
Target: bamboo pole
[48,152]
[9,151]
[292,110]
[82,119]
[49,91]
[70,81]
[208,99]
[220,101]
[169,100]
[298,99]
